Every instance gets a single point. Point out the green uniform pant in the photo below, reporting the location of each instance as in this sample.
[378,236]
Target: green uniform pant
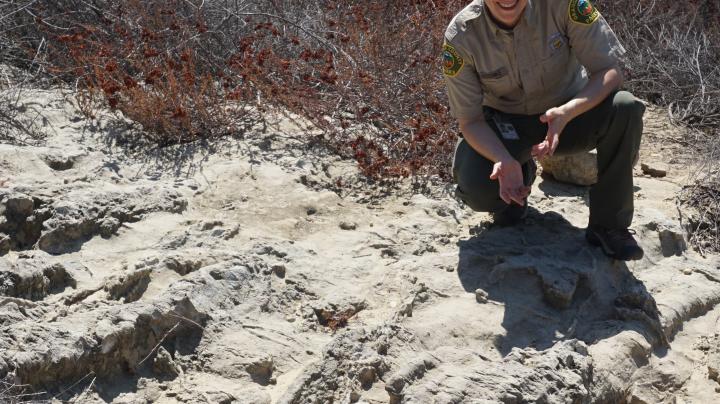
[614,128]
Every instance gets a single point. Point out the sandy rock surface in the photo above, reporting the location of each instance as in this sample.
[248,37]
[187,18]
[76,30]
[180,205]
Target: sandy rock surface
[236,271]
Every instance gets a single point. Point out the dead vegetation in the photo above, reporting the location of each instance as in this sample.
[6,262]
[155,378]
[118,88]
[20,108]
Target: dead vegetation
[16,394]
[365,74]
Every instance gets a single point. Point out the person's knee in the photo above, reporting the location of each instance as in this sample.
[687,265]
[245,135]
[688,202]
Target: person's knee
[480,196]
[479,202]
[627,105]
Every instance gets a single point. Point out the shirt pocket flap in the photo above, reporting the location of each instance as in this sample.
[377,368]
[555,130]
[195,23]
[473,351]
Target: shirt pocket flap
[496,82]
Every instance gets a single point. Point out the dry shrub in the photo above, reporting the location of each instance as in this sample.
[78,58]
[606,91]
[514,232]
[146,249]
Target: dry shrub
[365,73]
[150,60]
[14,394]
[389,87]
[703,222]
[672,61]
[19,124]
[673,50]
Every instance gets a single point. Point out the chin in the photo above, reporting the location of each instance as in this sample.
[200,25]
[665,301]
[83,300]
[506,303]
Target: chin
[508,11]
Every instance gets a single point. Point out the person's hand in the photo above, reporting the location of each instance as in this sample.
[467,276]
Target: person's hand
[556,119]
[540,150]
[509,175]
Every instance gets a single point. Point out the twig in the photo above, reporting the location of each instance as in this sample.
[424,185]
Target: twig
[87,390]
[301,28]
[18,10]
[73,385]
[172,314]
[158,344]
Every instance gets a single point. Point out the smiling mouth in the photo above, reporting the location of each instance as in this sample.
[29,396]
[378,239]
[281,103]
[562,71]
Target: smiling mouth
[507,5]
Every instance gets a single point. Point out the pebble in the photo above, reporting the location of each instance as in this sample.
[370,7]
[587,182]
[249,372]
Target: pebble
[481,296]
[656,170]
[279,270]
[348,226]
[688,271]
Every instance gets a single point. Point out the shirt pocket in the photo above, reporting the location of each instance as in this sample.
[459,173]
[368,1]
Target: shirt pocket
[554,69]
[496,82]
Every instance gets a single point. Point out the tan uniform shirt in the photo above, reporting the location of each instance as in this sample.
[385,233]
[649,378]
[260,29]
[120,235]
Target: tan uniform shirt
[530,69]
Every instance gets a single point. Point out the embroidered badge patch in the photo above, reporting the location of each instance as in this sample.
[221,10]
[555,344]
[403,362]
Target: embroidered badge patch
[452,62]
[583,12]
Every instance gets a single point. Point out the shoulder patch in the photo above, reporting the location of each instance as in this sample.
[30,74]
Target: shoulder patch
[583,12]
[452,61]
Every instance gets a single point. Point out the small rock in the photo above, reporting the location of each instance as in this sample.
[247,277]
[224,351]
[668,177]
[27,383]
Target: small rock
[688,271]
[367,376]
[209,225]
[261,369]
[109,226]
[348,226]
[450,268]
[311,211]
[279,270]
[656,170]
[481,296]
[58,162]
[578,169]
[165,365]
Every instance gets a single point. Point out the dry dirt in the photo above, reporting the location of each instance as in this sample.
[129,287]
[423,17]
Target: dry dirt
[232,272]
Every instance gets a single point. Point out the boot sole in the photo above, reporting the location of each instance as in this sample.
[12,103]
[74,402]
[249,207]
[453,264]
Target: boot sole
[598,242]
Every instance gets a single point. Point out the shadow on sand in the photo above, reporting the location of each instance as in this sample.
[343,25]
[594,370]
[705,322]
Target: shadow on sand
[554,285]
